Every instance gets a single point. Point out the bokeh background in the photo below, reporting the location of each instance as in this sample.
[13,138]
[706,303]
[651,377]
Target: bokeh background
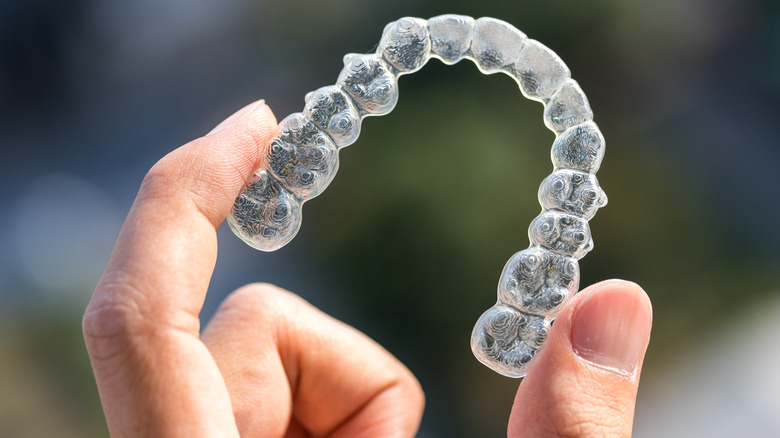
[408,241]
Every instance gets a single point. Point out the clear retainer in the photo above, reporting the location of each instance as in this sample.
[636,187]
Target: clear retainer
[302,159]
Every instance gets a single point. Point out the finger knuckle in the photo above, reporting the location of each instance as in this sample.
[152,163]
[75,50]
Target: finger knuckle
[108,327]
[121,318]
[164,174]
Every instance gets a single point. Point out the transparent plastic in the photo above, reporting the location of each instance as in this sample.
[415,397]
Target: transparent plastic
[302,159]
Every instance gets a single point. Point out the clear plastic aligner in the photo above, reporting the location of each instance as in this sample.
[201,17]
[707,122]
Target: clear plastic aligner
[580,147]
[266,216]
[302,157]
[370,83]
[567,107]
[507,339]
[333,112]
[565,234]
[539,71]
[572,191]
[450,37]
[405,44]
[536,282]
[495,44]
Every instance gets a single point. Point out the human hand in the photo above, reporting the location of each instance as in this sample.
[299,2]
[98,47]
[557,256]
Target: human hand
[269,364]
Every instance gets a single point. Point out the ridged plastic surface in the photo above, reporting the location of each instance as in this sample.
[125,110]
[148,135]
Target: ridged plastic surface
[302,159]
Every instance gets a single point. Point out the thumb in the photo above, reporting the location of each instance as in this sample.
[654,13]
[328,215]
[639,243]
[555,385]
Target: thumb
[585,379]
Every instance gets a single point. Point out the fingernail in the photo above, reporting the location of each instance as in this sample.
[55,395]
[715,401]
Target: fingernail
[237,116]
[611,327]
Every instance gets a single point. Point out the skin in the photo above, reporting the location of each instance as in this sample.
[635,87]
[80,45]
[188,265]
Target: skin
[271,365]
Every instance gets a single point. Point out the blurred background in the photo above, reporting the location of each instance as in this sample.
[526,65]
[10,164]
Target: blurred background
[408,241]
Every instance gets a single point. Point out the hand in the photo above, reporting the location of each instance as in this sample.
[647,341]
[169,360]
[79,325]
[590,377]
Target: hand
[269,364]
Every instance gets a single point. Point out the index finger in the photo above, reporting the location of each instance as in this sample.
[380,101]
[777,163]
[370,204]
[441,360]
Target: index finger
[141,326]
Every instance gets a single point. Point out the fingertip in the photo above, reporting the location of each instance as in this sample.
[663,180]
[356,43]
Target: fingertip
[209,172]
[586,376]
[243,138]
[259,121]
[613,283]
[611,326]
[258,106]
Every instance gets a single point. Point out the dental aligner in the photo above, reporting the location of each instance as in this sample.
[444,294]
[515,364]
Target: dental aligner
[302,159]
